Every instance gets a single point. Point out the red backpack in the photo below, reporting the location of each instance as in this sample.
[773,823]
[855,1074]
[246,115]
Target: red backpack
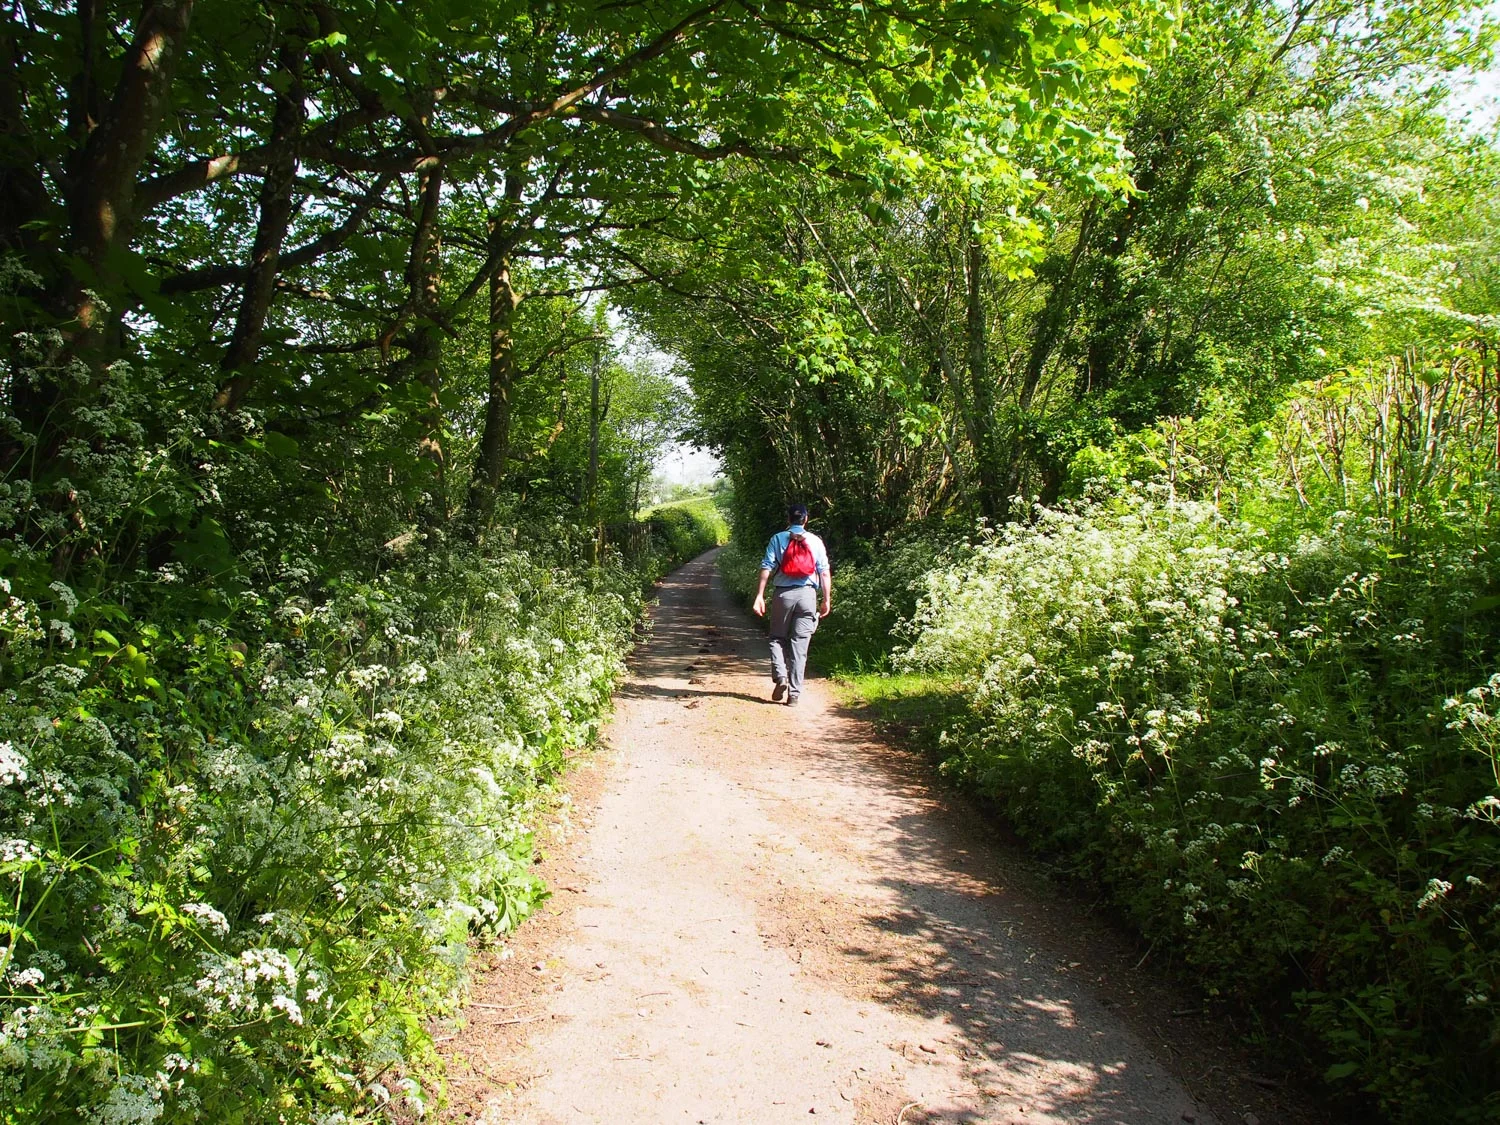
[797,560]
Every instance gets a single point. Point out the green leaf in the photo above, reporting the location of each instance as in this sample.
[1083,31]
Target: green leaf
[280,445]
[331,40]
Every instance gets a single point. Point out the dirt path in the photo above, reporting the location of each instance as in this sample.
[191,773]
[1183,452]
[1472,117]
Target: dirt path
[771,918]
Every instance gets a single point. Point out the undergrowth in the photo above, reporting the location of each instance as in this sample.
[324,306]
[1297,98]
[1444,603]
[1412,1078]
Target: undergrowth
[250,826]
[1267,724]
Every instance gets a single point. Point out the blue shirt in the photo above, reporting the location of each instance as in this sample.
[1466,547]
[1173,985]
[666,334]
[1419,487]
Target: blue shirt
[777,547]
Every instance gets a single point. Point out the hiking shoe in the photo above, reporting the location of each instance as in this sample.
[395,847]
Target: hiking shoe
[777,692]
[791,700]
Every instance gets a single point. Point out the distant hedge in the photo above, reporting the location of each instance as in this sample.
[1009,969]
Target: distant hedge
[668,536]
[676,533]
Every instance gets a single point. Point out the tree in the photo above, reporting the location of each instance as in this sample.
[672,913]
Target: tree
[1008,313]
[649,411]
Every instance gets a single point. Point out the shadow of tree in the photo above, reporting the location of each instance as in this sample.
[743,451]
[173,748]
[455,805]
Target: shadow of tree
[955,939]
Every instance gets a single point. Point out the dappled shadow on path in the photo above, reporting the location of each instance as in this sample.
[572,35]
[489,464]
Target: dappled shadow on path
[691,646]
[692,691]
[950,940]
[933,925]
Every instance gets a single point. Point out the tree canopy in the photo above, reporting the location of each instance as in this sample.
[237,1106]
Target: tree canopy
[325,440]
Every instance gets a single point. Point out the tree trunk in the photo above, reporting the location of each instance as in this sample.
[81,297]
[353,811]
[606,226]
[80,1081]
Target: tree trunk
[494,442]
[23,193]
[424,357]
[103,175]
[993,495]
[270,233]
[591,482]
[1055,320]
[109,144]
[23,198]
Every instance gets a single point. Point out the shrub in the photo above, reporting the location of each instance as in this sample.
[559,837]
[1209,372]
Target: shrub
[739,563]
[247,837]
[1277,747]
[877,597]
[682,531]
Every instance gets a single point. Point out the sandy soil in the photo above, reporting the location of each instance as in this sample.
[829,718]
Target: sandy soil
[764,914]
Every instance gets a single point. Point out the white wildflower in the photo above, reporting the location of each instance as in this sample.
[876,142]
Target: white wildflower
[206,914]
[18,851]
[370,676]
[30,977]
[12,765]
[1436,889]
[254,985]
[66,598]
[411,1089]
[344,755]
[1487,808]
[133,1099]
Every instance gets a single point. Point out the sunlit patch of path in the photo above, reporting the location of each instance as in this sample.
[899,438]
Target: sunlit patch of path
[780,924]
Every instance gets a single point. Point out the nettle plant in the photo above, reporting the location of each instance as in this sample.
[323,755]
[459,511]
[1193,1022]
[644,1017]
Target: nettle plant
[243,860]
[1244,732]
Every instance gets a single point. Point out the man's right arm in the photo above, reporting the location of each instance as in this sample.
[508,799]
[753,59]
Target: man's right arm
[760,594]
[767,566]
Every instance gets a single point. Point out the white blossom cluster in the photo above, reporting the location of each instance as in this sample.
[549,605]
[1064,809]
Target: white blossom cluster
[366,816]
[12,764]
[1149,651]
[15,850]
[211,919]
[20,620]
[257,984]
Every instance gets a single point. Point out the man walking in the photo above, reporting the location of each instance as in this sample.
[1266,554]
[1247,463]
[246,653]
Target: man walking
[800,562]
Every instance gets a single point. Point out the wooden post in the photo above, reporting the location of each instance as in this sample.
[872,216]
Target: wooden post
[591,486]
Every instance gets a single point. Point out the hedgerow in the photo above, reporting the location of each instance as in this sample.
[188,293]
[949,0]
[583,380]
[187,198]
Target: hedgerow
[1267,723]
[684,530]
[247,839]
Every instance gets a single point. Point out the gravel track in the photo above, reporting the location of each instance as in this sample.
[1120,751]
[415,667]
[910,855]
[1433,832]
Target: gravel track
[766,915]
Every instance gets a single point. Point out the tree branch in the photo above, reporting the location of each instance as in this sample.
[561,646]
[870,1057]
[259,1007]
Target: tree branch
[211,277]
[201,173]
[671,142]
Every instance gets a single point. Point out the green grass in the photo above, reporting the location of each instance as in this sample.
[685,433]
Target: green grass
[834,654]
[912,707]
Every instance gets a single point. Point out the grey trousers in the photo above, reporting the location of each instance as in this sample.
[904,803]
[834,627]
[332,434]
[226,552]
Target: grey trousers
[794,619]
